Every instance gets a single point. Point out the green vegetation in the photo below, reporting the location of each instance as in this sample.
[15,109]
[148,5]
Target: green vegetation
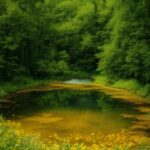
[20,83]
[124,62]
[125,54]
[52,40]
[13,138]
[130,85]
[45,39]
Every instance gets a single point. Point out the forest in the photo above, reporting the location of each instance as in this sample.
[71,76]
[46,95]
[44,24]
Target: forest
[104,41]
[49,39]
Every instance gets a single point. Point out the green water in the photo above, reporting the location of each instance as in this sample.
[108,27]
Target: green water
[67,113]
[67,122]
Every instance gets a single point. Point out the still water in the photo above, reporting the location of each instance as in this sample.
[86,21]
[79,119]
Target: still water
[68,113]
[67,122]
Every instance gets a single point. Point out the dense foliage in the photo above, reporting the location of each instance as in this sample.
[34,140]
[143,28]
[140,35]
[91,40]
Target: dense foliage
[127,53]
[48,38]
[53,38]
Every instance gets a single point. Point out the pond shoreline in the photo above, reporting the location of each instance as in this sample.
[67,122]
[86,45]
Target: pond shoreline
[142,120]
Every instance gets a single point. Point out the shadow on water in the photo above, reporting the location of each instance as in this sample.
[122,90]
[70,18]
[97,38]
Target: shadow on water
[56,99]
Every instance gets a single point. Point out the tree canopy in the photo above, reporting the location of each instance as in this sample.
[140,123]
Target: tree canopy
[52,38]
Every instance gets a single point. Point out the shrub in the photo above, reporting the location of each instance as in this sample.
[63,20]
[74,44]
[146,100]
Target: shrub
[13,138]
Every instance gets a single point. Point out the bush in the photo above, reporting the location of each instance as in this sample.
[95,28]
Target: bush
[131,85]
[102,79]
[12,138]
[134,86]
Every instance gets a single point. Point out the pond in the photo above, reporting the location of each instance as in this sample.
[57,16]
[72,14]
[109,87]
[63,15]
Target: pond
[69,113]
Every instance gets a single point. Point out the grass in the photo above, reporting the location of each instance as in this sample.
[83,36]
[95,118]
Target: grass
[130,85]
[8,87]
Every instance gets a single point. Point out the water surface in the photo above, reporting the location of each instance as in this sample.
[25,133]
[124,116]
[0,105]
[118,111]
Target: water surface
[70,113]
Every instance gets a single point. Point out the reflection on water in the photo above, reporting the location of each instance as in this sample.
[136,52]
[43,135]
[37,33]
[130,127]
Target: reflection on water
[78,81]
[67,113]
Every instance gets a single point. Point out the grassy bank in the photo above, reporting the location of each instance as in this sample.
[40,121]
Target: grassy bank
[8,87]
[130,85]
